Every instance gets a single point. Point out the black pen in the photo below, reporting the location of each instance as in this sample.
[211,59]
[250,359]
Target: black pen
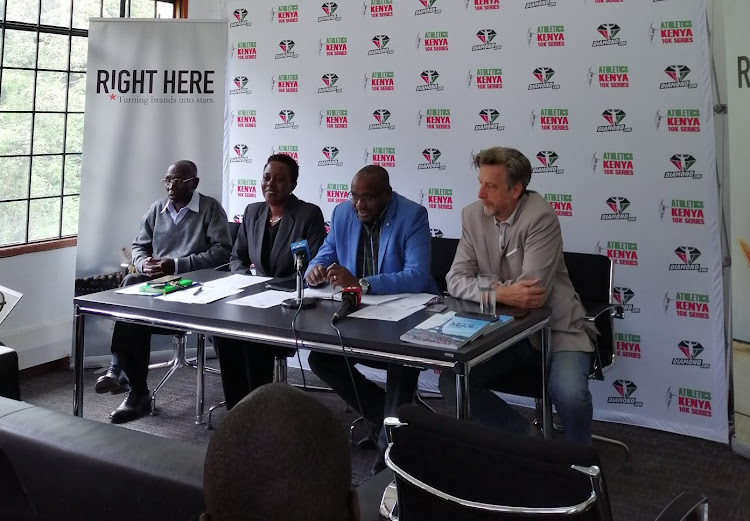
[200,288]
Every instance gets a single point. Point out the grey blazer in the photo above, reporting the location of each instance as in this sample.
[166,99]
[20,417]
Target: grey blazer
[533,250]
[301,221]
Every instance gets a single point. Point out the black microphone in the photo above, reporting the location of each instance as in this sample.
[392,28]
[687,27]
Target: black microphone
[351,298]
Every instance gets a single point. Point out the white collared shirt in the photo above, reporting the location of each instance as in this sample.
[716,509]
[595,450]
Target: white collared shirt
[193,206]
[501,226]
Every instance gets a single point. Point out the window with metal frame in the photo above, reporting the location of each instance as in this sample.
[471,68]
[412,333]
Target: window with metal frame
[43,52]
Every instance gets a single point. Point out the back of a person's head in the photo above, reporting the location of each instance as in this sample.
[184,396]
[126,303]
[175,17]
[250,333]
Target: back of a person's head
[279,454]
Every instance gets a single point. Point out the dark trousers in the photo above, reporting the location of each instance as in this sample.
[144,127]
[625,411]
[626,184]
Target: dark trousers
[131,343]
[245,366]
[400,387]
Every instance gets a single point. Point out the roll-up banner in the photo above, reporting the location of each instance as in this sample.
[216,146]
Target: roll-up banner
[155,93]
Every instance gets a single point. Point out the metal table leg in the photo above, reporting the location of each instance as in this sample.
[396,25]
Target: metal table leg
[462,393]
[199,391]
[546,403]
[78,362]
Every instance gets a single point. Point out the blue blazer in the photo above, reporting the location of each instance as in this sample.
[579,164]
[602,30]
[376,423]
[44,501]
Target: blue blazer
[404,251]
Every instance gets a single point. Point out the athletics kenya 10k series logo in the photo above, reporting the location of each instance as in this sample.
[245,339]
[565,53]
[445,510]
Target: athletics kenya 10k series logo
[381,156]
[380,81]
[688,305]
[546,36]
[561,203]
[378,8]
[438,198]
[245,51]
[620,252]
[683,211]
[694,402]
[288,150]
[247,188]
[628,345]
[671,32]
[678,120]
[550,119]
[610,76]
[244,118]
[483,5]
[613,163]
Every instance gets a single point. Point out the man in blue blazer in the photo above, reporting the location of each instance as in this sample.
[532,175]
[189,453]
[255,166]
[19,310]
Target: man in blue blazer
[381,243]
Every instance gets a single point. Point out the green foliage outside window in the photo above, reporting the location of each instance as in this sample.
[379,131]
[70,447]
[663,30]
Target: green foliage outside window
[43,52]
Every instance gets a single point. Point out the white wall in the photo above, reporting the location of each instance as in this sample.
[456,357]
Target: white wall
[40,327]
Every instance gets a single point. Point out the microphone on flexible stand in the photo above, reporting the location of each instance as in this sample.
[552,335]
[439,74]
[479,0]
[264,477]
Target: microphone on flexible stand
[351,298]
[301,253]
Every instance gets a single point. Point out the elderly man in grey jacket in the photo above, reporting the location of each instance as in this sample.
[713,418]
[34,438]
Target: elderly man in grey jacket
[182,232]
[514,233]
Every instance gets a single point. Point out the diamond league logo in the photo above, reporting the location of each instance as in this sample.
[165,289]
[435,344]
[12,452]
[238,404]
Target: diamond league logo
[432,155]
[330,153]
[625,390]
[329,8]
[240,82]
[240,151]
[381,116]
[240,15]
[286,117]
[329,80]
[380,41]
[286,46]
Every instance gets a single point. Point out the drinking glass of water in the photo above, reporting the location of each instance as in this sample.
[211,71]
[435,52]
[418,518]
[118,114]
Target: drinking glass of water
[487,283]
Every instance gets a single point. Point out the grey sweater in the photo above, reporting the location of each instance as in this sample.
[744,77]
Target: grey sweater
[200,240]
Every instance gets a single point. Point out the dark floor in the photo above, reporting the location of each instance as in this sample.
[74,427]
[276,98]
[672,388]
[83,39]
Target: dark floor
[662,464]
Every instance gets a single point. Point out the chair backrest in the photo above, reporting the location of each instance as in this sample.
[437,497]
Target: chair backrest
[451,469]
[592,276]
[234,230]
[443,252]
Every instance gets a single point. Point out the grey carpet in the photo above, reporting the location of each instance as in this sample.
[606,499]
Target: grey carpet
[662,466]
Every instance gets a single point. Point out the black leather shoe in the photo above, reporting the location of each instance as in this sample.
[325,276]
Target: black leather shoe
[132,408]
[379,464]
[114,381]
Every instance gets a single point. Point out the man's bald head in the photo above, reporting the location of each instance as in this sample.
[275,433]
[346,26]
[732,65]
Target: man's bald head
[279,454]
[183,169]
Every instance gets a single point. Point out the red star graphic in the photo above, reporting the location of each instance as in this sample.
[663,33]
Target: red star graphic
[112,96]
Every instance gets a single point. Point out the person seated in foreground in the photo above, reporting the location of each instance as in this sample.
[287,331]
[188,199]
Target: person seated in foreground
[268,229]
[279,454]
[514,232]
[182,232]
[380,241]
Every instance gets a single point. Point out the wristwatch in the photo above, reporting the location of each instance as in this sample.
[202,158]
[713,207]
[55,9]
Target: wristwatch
[364,285]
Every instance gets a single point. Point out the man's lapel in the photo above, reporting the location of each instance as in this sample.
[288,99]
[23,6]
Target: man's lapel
[389,221]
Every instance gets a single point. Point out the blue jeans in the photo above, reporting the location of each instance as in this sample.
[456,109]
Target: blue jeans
[568,389]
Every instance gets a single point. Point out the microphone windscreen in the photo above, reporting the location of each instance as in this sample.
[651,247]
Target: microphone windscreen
[353,295]
[300,247]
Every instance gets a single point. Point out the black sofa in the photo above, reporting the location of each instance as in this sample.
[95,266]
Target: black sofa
[77,469]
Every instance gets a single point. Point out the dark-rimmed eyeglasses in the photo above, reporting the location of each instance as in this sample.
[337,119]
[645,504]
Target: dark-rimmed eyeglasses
[366,198]
[176,182]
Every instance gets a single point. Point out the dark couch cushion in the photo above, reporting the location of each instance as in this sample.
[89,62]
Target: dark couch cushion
[73,468]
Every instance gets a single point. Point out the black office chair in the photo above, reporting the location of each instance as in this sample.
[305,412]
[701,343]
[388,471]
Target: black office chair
[443,252]
[486,474]
[592,276]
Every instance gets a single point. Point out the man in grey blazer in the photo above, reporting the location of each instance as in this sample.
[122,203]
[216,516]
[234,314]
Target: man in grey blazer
[514,233]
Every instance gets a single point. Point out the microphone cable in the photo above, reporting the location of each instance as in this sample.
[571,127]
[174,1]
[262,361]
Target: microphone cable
[354,385]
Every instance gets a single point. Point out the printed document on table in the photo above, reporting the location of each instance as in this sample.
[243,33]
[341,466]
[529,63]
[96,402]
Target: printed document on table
[411,300]
[235,281]
[375,300]
[265,299]
[324,292]
[385,312]
[204,296]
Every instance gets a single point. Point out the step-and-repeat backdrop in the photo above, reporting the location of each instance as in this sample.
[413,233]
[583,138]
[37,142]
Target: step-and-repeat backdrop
[610,100]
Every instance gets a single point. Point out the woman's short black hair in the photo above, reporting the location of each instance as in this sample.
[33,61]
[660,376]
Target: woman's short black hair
[288,161]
